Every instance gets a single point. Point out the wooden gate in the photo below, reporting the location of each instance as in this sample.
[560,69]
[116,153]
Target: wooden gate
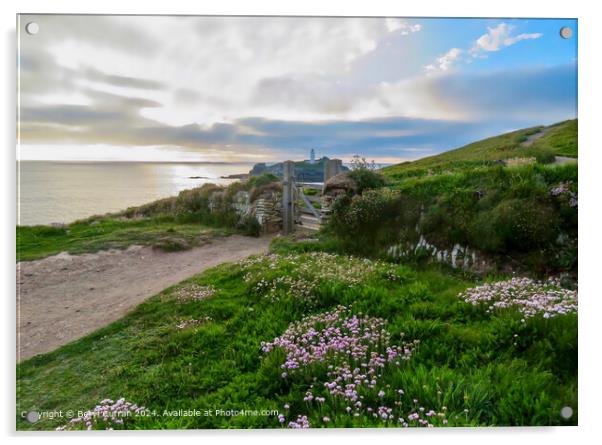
[308,205]
[301,201]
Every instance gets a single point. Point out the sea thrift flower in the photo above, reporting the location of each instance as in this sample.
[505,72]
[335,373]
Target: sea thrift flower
[184,324]
[107,415]
[194,292]
[528,296]
[306,272]
[354,350]
[300,423]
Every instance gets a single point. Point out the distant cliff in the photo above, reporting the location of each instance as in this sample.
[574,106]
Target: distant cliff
[305,171]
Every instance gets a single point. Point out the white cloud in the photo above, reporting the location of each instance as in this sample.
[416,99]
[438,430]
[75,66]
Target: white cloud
[445,62]
[199,77]
[395,24]
[219,62]
[499,37]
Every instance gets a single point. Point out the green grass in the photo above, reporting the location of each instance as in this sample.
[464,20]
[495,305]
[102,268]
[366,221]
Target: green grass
[34,242]
[560,140]
[468,359]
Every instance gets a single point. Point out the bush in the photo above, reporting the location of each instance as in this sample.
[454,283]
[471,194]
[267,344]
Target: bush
[367,180]
[195,199]
[366,222]
[365,176]
[515,225]
[249,226]
[261,180]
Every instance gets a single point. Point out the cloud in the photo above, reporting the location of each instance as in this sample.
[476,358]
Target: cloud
[127,34]
[487,103]
[314,94]
[445,62]
[264,85]
[206,69]
[122,81]
[495,39]
[498,38]
[405,28]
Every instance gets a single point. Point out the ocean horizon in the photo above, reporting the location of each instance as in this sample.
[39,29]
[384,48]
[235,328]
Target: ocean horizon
[66,191]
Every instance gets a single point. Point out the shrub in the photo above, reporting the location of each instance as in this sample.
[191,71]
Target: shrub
[366,222]
[260,180]
[196,199]
[367,179]
[272,187]
[365,176]
[515,225]
[249,226]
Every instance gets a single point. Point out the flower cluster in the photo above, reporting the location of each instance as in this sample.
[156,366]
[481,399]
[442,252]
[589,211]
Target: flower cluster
[563,189]
[300,423]
[560,189]
[530,297]
[194,292]
[107,415]
[302,274]
[184,324]
[325,337]
[355,351]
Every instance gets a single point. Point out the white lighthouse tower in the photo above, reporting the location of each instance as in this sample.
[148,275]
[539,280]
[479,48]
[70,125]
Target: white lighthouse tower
[312,156]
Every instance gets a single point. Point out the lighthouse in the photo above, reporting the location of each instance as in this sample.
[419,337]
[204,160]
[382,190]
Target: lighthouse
[312,156]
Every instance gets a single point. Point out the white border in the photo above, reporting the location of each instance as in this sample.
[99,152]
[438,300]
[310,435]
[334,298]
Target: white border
[590,168]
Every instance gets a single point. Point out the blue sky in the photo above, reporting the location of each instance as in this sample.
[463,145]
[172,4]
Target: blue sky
[269,88]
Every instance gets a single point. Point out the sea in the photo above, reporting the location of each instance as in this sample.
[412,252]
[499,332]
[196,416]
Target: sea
[63,192]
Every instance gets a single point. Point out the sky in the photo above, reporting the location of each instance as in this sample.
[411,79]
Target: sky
[251,89]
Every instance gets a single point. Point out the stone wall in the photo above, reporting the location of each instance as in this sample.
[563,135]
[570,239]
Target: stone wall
[458,257]
[266,208]
[268,211]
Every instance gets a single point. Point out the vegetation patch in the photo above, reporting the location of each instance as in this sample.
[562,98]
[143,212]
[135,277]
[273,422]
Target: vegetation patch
[526,213]
[561,139]
[35,242]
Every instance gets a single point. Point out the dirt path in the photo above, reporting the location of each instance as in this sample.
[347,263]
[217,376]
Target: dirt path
[561,160]
[64,297]
[533,137]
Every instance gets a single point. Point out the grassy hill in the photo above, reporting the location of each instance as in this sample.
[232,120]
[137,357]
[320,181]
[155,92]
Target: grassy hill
[505,197]
[561,138]
[556,140]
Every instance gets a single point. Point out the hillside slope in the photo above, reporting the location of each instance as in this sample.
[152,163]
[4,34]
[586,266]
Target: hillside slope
[556,140]
[512,198]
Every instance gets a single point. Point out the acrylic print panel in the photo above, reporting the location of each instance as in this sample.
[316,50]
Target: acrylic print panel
[286,222]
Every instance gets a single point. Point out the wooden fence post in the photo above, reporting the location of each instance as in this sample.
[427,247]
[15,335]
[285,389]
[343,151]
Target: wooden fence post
[332,167]
[288,208]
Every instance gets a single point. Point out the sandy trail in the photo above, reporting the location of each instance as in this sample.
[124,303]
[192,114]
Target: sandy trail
[64,297]
[533,137]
